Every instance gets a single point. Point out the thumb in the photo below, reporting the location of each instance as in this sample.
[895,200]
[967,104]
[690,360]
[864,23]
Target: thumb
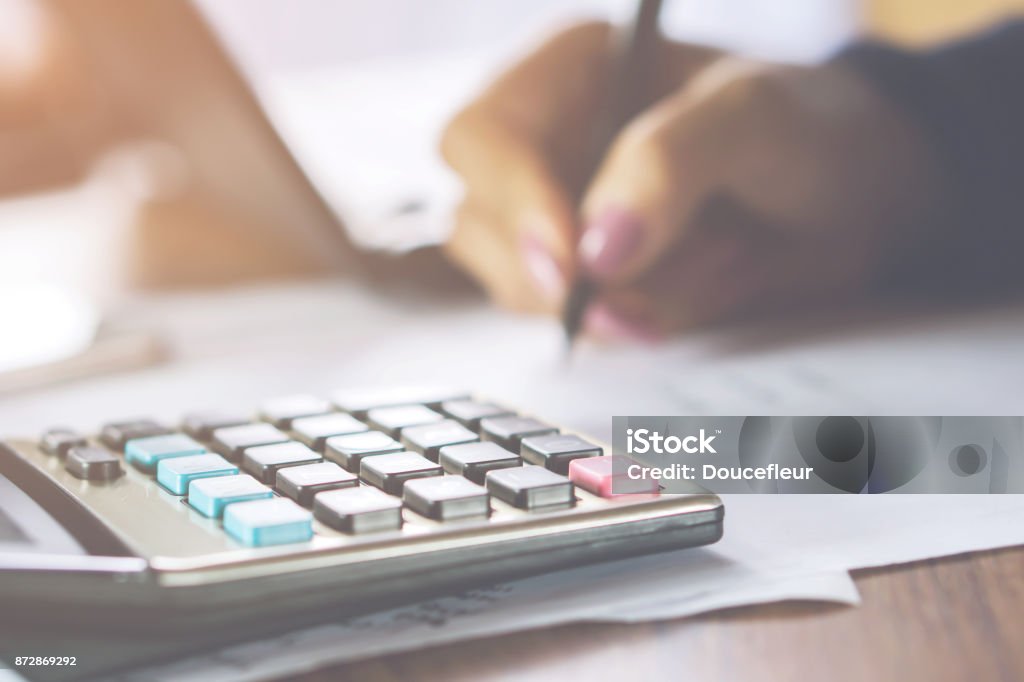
[657,174]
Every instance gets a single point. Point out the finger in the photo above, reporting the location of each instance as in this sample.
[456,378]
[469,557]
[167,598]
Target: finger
[664,166]
[508,173]
[485,250]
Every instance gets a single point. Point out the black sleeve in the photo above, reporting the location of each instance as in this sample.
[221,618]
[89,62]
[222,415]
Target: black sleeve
[968,98]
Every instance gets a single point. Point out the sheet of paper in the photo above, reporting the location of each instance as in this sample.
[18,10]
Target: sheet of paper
[606,593]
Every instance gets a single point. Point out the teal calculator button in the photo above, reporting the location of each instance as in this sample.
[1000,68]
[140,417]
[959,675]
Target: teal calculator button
[145,453]
[262,523]
[209,496]
[175,474]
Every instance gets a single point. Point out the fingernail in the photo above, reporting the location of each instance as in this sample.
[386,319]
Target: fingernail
[544,270]
[610,241]
[604,321]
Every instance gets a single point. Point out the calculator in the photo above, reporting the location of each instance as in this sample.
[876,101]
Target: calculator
[351,502]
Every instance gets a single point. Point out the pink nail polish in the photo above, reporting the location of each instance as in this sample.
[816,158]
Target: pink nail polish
[610,241]
[605,322]
[544,270]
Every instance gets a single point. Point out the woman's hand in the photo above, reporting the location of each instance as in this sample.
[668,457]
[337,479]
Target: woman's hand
[742,186]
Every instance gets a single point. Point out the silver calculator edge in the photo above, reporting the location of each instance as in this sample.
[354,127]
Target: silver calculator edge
[348,574]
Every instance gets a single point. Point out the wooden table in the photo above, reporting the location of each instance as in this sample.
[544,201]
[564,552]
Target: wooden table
[959,618]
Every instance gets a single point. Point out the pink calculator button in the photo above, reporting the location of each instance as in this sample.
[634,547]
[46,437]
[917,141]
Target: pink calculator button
[597,475]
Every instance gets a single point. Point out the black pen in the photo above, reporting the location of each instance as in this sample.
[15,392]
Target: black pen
[632,51]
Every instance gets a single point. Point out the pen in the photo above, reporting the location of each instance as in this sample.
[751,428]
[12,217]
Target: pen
[634,44]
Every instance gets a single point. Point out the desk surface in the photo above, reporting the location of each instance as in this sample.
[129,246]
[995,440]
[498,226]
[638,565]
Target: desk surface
[960,618]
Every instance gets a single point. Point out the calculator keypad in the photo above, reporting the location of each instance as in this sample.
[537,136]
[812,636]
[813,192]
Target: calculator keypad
[446,498]
[428,439]
[531,487]
[390,472]
[392,420]
[234,440]
[554,451]
[349,451]
[474,460]
[92,464]
[314,431]
[303,483]
[146,453]
[380,462]
[263,523]
[264,461]
[116,434]
[210,496]
[58,441]
[508,432]
[177,473]
[358,510]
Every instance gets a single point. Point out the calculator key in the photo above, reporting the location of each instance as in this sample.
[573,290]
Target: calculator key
[607,477]
[508,432]
[555,451]
[470,412]
[531,487]
[358,402]
[390,472]
[176,474]
[92,464]
[349,451]
[209,496]
[474,460]
[446,498]
[429,438]
[391,420]
[314,431]
[146,453]
[58,441]
[282,411]
[233,440]
[264,461]
[302,483]
[201,425]
[358,510]
[263,523]
[116,434]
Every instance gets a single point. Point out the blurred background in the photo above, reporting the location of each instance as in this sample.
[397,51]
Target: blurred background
[139,151]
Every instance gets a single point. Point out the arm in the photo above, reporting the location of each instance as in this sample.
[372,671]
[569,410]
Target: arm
[968,98]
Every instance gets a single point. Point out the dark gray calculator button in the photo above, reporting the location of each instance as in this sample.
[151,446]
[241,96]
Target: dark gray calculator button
[282,411]
[555,451]
[391,420]
[390,472]
[446,498]
[313,431]
[429,438]
[116,434]
[470,412]
[302,483]
[58,441]
[201,425]
[263,461]
[358,510]
[348,451]
[232,441]
[474,460]
[531,487]
[360,401]
[92,464]
[508,432]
